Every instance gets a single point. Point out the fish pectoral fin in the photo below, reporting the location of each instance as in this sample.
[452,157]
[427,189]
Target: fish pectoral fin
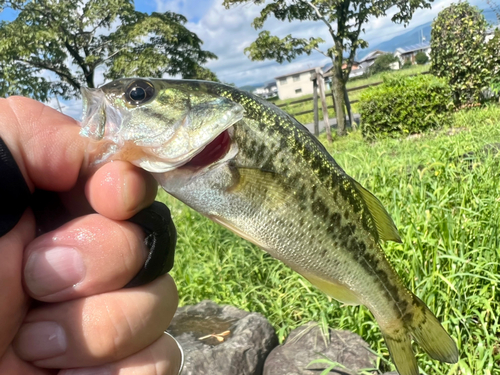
[268,186]
[386,228]
[338,291]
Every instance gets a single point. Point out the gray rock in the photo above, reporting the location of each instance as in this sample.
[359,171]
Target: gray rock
[244,341]
[307,343]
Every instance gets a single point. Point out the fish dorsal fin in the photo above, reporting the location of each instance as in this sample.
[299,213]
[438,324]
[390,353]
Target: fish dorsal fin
[386,229]
[269,185]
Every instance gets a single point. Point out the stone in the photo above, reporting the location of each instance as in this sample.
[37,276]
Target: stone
[222,340]
[307,343]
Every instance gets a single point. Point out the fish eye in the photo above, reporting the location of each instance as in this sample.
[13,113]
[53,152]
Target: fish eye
[139,92]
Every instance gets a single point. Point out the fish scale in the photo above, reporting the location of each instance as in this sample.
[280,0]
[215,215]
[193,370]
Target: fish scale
[279,188]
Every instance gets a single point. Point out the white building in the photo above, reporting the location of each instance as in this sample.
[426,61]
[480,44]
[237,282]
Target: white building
[295,84]
[268,91]
[410,52]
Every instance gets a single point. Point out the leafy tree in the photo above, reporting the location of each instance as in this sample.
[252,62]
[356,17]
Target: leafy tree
[421,58]
[460,54]
[72,39]
[344,20]
[383,63]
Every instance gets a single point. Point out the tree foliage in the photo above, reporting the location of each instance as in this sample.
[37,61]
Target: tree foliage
[383,63]
[344,20]
[73,39]
[421,58]
[460,53]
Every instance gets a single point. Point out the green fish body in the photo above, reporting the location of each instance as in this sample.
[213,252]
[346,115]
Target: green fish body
[254,169]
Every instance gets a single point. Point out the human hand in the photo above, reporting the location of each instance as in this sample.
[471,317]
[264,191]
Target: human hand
[62,307]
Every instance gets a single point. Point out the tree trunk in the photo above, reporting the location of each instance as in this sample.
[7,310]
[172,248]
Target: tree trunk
[338,87]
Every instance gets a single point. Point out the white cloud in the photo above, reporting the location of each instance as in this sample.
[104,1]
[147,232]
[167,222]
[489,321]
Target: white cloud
[228,32]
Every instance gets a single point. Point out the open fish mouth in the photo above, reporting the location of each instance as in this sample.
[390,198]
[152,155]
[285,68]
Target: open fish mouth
[212,152]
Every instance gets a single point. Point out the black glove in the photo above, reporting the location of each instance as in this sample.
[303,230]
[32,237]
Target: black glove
[49,212]
[14,192]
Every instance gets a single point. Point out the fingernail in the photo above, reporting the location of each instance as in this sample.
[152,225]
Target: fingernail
[41,340]
[52,270]
[134,192]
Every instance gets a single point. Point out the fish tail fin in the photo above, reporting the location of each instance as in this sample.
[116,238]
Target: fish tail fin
[421,324]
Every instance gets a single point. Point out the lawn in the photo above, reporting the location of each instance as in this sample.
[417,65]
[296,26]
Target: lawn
[443,192]
[354,95]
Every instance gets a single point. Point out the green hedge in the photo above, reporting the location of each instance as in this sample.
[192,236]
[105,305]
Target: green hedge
[405,105]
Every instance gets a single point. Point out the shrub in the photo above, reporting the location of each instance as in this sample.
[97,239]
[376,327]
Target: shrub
[407,64]
[460,54]
[405,105]
[383,63]
[421,58]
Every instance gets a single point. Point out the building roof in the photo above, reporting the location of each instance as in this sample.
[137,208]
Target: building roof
[300,71]
[413,47]
[372,55]
[329,66]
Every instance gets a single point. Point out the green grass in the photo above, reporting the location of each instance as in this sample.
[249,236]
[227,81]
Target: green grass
[309,117]
[447,209]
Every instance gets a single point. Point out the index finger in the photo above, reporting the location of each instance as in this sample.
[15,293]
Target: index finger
[45,143]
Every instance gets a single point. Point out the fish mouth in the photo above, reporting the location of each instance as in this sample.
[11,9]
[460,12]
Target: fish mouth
[212,152]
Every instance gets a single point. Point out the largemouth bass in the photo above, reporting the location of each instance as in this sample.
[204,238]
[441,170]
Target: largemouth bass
[254,169]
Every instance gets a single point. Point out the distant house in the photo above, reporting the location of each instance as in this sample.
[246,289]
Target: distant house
[295,84]
[268,91]
[369,59]
[408,53]
[356,69]
[490,33]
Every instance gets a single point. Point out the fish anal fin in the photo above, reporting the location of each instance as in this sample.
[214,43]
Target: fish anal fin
[421,324]
[386,228]
[335,290]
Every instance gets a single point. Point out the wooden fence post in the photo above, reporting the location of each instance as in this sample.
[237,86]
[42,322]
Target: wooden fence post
[315,104]
[326,120]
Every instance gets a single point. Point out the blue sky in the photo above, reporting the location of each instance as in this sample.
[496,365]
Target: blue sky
[228,32]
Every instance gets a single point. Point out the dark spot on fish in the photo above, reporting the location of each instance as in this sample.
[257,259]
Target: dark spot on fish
[335,219]
[346,214]
[335,195]
[283,143]
[293,179]
[313,192]
[301,195]
[320,209]
[407,319]
[347,230]
[268,165]
[323,252]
